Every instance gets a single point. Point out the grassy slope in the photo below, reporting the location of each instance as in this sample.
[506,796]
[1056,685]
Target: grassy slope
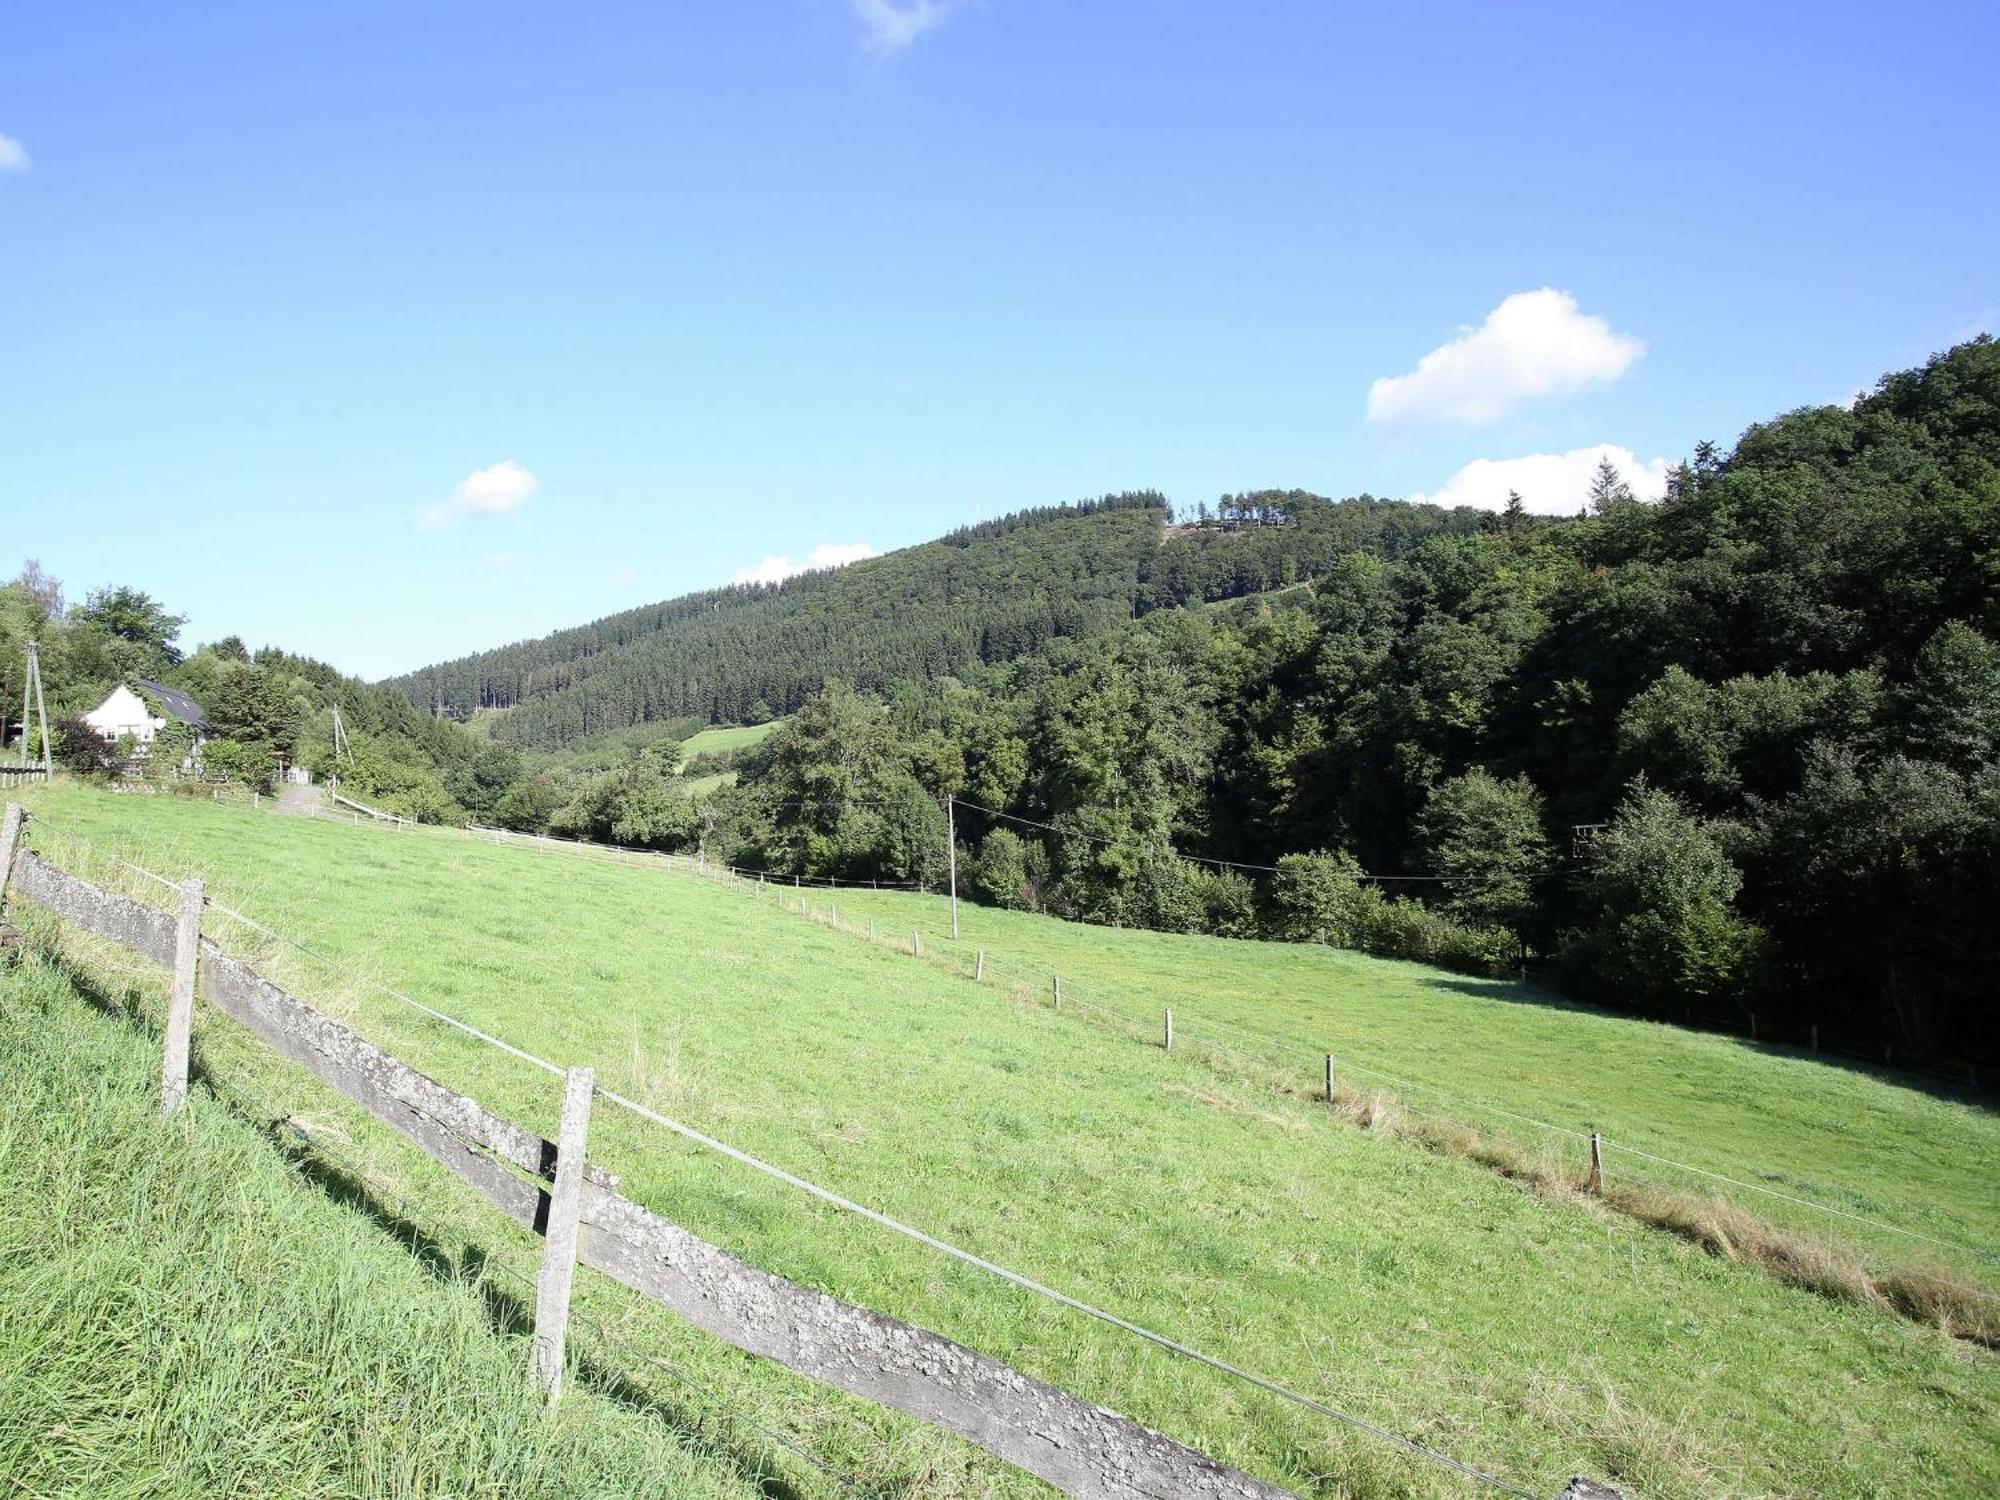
[1871,1141]
[727,738]
[181,1313]
[1535,1338]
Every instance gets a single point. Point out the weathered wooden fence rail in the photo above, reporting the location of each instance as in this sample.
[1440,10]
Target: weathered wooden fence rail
[1078,1447]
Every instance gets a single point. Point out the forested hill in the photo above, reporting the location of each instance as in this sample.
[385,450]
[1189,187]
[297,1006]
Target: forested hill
[983,594]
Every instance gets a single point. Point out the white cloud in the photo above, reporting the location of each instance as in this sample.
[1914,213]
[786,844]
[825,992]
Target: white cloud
[1533,344]
[503,562]
[825,555]
[13,155]
[1550,484]
[492,491]
[888,26]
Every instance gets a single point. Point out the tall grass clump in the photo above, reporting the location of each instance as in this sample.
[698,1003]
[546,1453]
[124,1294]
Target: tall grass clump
[183,1313]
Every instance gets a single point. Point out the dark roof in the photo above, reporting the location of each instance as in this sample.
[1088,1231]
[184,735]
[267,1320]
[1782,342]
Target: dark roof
[177,705]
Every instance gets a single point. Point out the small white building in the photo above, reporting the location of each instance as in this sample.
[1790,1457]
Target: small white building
[125,712]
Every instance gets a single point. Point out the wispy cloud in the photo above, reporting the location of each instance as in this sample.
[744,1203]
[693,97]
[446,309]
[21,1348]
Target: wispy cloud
[825,555]
[493,491]
[888,26]
[1549,484]
[13,155]
[1533,344]
[503,562]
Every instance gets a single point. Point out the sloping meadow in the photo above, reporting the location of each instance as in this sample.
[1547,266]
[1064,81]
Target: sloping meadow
[1531,1337]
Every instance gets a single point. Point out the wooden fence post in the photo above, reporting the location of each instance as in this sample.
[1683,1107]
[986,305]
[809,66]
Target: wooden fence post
[1329,1078]
[10,839]
[180,1000]
[1597,1164]
[1055,982]
[552,1286]
[1167,1037]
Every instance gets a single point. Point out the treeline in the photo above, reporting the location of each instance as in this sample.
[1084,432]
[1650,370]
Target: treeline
[983,595]
[1731,753]
[267,710]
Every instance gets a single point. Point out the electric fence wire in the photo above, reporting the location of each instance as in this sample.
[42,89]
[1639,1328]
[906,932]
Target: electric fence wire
[1450,1097]
[1072,996]
[897,1226]
[425,1218]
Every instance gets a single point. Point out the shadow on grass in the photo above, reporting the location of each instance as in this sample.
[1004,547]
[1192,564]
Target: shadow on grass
[470,1267]
[1529,992]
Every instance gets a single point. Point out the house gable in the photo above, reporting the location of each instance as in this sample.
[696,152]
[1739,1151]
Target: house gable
[124,712]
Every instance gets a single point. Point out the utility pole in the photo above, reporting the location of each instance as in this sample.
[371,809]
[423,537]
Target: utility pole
[951,858]
[34,680]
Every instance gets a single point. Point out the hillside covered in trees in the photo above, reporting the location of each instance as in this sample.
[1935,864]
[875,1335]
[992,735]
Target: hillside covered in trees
[1731,753]
[982,595]
[267,709]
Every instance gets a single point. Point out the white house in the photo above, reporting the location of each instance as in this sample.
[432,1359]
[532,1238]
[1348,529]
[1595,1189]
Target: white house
[124,712]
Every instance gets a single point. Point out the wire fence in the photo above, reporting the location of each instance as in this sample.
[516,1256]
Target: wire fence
[834,1199]
[1247,1047]
[1240,1045]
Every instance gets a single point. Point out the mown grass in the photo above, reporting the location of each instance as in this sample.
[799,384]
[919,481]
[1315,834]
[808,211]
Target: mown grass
[1872,1142]
[183,1313]
[726,738]
[1533,1336]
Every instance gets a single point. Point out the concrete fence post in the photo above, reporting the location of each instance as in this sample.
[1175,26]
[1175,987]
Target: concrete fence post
[552,1286]
[10,840]
[1167,1035]
[180,999]
[979,965]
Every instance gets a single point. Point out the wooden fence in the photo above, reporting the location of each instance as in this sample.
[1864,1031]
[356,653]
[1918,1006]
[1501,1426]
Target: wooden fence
[1078,1447]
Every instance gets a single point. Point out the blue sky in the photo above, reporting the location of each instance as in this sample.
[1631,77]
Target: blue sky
[391,332]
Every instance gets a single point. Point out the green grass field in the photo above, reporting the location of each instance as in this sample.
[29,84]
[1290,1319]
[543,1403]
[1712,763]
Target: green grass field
[723,740]
[701,786]
[1888,1146]
[1534,1337]
[182,1313]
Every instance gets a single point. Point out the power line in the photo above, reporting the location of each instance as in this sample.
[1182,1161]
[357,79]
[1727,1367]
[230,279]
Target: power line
[1198,859]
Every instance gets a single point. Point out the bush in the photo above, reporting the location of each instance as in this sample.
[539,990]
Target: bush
[1227,900]
[1318,898]
[1663,930]
[1000,870]
[80,749]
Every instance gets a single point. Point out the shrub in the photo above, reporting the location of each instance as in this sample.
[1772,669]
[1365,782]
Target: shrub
[80,749]
[1000,870]
[1319,898]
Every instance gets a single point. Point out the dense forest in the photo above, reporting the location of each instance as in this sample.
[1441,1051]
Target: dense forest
[984,594]
[1732,753]
[1729,754]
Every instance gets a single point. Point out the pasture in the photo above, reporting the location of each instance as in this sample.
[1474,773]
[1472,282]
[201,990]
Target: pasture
[1530,1336]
